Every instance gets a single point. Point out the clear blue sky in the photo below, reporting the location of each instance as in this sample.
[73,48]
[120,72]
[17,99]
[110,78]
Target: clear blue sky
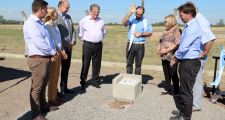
[114,10]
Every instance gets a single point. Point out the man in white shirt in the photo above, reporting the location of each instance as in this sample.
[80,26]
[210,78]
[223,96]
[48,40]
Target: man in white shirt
[207,41]
[91,32]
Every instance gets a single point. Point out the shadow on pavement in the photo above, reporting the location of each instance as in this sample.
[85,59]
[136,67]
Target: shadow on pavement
[8,74]
[108,78]
[12,74]
[146,78]
[26,116]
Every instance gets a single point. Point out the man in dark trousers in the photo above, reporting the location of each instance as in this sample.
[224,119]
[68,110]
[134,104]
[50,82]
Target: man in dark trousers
[139,30]
[189,63]
[65,25]
[91,33]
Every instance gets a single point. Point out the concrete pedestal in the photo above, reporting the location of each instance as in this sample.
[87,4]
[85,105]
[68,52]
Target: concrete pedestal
[127,86]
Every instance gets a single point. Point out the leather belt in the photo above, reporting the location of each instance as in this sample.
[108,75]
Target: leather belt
[40,56]
[138,42]
[93,42]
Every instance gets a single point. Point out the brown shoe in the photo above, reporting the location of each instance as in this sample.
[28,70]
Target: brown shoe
[54,103]
[53,108]
[61,100]
[49,109]
[40,117]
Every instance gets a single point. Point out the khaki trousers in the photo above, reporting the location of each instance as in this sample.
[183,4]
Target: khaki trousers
[53,79]
[40,70]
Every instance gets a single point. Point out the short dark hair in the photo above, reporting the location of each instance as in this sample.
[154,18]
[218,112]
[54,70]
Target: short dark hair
[38,4]
[60,3]
[188,8]
[141,7]
[94,6]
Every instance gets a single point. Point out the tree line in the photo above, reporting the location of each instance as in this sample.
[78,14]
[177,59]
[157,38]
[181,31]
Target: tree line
[4,21]
[220,23]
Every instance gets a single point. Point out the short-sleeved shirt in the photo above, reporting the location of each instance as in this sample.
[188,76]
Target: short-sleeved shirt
[169,37]
[139,28]
[207,34]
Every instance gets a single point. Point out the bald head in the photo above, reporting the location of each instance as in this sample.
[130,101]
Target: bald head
[64,6]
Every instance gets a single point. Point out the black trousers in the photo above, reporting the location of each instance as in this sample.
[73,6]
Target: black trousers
[91,51]
[188,70]
[136,53]
[65,66]
[170,73]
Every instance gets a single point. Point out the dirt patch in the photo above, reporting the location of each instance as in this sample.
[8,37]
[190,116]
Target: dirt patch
[119,104]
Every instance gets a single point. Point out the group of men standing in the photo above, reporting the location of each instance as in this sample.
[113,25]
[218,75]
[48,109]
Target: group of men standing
[91,32]
[41,50]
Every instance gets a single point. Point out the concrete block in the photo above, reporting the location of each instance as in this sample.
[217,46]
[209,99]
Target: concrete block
[127,86]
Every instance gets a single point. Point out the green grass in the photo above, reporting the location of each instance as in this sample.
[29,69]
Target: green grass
[114,45]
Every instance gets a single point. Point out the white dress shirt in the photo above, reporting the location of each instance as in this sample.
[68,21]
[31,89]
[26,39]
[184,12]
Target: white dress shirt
[91,30]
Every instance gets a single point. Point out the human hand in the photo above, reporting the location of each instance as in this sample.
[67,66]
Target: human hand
[137,34]
[158,49]
[64,55]
[132,8]
[203,56]
[173,61]
[53,58]
[70,45]
[73,43]
[163,51]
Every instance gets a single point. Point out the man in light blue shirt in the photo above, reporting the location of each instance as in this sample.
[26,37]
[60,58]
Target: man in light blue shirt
[139,30]
[188,56]
[40,53]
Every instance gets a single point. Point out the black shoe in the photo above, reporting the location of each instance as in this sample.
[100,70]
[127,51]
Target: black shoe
[83,85]
[61,95]
[178,117]
[96,85]
[83,88]
[40,117]
[175,112]
[68,91]
[49,109]
[161,85]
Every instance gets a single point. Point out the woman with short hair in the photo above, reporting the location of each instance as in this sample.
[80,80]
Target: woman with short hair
[168,43]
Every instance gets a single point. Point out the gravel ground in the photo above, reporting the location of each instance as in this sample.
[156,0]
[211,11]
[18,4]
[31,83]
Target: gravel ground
[94,104]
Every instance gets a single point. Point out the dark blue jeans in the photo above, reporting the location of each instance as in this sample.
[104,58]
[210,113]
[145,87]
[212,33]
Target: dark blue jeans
[136,53]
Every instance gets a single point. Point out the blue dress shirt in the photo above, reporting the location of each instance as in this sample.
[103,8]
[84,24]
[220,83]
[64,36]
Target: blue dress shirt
[190,43]
[37,38]
[139,28]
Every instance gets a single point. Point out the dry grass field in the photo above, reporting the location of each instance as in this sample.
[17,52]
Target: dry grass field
[11,38]
[11,41]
